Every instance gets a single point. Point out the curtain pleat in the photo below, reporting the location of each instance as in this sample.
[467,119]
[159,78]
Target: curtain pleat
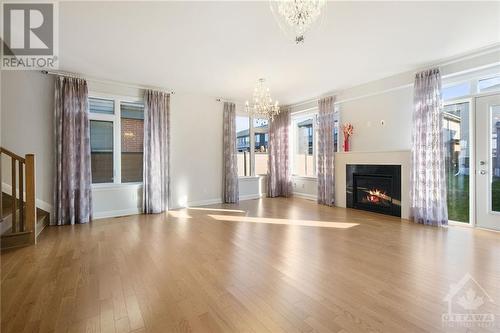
[72,186]
[279,178]
[325,156]
[230,163]
[428,182]
[156,166]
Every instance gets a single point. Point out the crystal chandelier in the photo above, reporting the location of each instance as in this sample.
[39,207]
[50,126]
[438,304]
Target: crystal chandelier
[295,17]
[263,106]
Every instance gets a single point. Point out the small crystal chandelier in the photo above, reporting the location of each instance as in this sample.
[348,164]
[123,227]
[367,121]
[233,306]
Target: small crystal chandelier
[295,17]
[263,106]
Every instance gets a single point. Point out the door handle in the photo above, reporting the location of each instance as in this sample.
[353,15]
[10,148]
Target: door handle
[483,172]
[482,163]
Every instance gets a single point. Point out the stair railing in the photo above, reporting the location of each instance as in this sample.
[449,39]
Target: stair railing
[22,190]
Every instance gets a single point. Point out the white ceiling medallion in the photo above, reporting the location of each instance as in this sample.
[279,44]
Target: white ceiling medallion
[262,106]
[295,17]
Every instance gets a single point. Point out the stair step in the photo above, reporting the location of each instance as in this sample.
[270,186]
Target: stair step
[16,239]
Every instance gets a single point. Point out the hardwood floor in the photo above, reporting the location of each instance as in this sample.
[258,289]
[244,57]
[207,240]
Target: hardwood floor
[270,265]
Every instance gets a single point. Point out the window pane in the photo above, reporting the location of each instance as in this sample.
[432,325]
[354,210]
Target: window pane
[490,84]
[261,132]
[303,147]
[99,105]
[495,158]
[101,147]
[132,136]
[457,153]
[243,145]
[336,135]
[456,91]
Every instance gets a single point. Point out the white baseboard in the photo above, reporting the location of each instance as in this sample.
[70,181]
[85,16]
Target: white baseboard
[305,196]
[116,213]
[7,188]
[252,196]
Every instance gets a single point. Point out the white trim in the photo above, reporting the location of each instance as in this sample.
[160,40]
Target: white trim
[249,178]
[7,188]
[111,186]
[116,213]
[252,196]
[305,196]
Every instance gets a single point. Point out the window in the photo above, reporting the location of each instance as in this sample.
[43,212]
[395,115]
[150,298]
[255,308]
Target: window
[456,91]
[303,146]
[251,132]
[457,159]
[261,135]
[304,142]
[101,151]
[103,106]
[336,129]
[490,84]
[132,135]
[243,145]
[116,140]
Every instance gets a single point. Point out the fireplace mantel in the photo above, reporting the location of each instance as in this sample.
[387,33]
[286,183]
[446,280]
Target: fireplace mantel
[402,158]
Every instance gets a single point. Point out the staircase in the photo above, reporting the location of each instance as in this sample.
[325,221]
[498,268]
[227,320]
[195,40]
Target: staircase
[21,222]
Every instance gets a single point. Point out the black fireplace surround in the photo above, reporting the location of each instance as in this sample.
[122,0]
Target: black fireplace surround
[375,188]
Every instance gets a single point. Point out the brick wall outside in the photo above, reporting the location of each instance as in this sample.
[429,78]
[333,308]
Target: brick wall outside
[132,135]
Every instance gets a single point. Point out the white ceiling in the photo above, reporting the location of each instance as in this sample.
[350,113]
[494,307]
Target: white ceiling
[222,48]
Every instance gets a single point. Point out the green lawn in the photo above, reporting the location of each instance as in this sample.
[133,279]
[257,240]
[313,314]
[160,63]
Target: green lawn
[495,194]
[458,197]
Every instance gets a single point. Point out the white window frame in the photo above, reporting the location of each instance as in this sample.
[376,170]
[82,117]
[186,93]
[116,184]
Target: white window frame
[115,118]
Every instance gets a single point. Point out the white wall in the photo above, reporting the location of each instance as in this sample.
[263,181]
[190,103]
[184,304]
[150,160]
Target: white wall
[27,106]
[196,145]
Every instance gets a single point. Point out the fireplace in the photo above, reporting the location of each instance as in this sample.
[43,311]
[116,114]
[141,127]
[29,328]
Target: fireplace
[375,188]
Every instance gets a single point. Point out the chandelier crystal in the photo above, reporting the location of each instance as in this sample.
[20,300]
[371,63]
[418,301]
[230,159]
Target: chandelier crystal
[262,105]
[295,17]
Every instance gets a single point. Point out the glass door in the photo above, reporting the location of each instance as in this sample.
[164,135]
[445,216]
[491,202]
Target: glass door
[488,161]
[456,133]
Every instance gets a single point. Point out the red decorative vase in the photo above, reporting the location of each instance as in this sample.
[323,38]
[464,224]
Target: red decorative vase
[346,144]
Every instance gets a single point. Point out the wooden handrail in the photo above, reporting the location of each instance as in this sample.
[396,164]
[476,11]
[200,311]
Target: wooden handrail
[11,154]
[23,193]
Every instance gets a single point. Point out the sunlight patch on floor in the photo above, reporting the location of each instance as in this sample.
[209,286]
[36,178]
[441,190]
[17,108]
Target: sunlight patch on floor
[179,214]
[305,223]
[217,209]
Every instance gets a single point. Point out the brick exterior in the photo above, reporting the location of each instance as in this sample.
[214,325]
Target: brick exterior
[132,135]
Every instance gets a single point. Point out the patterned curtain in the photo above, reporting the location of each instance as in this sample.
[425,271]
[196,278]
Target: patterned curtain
[428,184]
[325,163]
[72,188]
[230,162]
[156,166]
[278,177]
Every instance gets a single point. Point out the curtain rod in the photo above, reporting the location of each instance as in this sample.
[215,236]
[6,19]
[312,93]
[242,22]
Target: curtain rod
[123,84]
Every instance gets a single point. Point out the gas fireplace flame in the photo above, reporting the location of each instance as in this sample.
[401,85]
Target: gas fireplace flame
[375,196]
